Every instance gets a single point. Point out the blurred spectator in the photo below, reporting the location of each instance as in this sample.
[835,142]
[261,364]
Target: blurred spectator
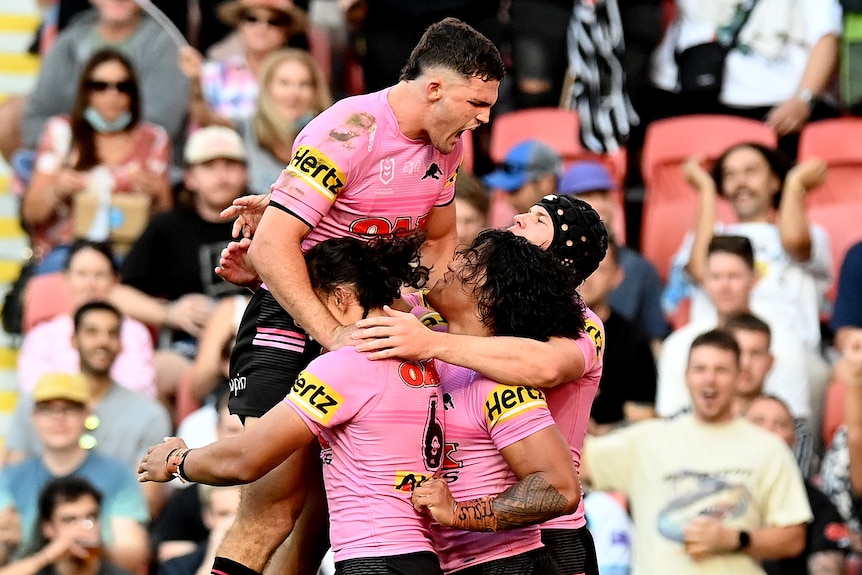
[168,276]
[67,533]
[612,530]
[101,149]
[698,509]
[828,538]
[792,254]
[847,313]
[229,87]
[779,70]
[597,87]
[59,415]
[180,529]
[113,23]
[91,273]
[537,31]
[841,471]
[528,173]
[628,384]
[293,92]
[728,281]
[755,362]
[471,207]
[214,346]
[218,509]
[391,28]
[123,425]
[637,298]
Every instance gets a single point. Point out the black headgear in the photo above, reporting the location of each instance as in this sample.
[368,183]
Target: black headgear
[580,236]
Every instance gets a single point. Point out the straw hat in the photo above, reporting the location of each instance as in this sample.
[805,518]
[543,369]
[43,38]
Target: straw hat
[231,12]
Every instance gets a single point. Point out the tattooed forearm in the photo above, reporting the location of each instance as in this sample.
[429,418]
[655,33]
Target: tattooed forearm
[532,500]
[826,563]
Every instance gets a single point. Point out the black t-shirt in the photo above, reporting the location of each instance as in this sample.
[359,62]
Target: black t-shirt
[827,532]
[628,373]
[181,519]
[176,255]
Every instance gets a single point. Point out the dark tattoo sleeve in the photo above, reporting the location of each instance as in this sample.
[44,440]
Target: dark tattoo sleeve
[530,501]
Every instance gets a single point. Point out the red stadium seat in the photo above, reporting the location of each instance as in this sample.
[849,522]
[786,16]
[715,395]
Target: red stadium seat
[559,129]
[837,143]
[842,222]
[670,203]
[45,297]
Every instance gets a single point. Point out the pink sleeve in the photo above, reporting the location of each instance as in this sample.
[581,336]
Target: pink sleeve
[321,165]
[33,357]
[510,413]
[329,391]
[134,366]
[592,342]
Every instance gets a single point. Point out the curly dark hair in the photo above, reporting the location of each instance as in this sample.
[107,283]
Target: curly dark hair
[376,268]
[457,46]
[779,164]
[520,289]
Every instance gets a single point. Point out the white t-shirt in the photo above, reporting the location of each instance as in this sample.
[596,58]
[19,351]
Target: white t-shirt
[789,294]
[773,47]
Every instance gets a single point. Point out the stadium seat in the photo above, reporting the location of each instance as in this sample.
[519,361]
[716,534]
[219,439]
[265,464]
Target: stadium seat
[670,202]
[559,129]
[46,296]
[837,143]
[841,220]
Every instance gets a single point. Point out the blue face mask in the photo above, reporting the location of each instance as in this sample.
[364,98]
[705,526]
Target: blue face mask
[100,124]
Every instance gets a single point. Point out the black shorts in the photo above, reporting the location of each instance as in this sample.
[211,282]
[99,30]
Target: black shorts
[573,550]
[269,353]
[535,562]
[423,562]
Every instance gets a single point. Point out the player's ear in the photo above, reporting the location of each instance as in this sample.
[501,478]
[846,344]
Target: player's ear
[434,88]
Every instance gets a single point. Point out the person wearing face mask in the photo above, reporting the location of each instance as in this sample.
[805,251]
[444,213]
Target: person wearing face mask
[102,146]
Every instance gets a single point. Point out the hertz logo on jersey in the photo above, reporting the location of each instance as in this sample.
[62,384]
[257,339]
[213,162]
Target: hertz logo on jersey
[317,170]
[506,401]
[407,481]
[595,332]
[319,401]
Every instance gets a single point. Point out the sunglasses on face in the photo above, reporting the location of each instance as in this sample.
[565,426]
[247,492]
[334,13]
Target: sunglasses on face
[124,87]
[274,22]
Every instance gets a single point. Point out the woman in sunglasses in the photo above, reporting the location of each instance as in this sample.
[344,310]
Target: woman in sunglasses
[102,146]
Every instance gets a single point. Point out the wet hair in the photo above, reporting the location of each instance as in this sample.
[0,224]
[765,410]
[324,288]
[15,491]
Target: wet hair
[520,289]
[779,165]
[78,318]
[103,248]
[56,492]
[580,236]
[376,269]
[470,189]
[719,339]
[271,129]
[735,245]
[748,322]
[83,134]
[457,46]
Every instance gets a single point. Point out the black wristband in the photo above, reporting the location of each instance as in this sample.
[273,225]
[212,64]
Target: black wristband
[181,467]
[744,540]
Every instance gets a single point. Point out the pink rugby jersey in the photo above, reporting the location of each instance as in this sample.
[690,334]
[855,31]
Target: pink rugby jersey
[380,426]
[570,404]
[482,417]
[353,165]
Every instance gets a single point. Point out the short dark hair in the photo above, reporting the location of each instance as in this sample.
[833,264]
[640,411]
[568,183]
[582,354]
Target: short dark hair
[779,164]
[717,338]
[377,268]
[94,306]
[457,46]
[55,492]
[521,290]
[734,245]
[748,322]
[471,189]
[103,248]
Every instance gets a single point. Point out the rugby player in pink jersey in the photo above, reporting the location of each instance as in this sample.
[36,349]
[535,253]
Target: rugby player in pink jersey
[567,369]
[373,164]
[380,424]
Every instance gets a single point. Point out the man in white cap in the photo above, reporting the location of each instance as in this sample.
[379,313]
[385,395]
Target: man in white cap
[167,277]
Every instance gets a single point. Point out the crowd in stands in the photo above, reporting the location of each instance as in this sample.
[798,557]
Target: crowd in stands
[736,295]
